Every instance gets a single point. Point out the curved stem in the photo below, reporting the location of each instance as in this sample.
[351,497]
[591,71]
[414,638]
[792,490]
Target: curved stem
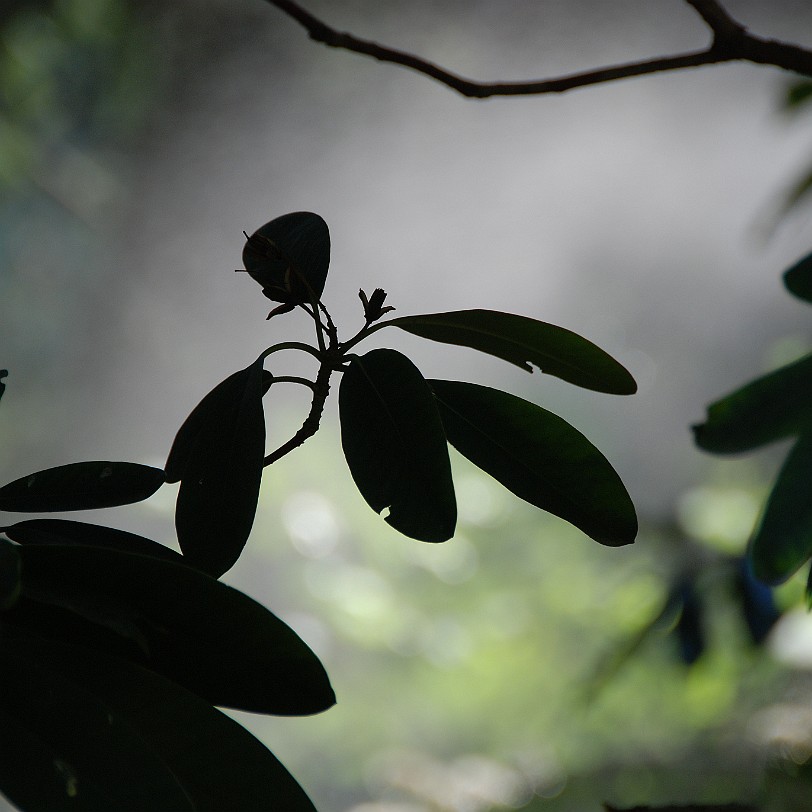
[731,41]
[293,379]
[321,388]
[292,345]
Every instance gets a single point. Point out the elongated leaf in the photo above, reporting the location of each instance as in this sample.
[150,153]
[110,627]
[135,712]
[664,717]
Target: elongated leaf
[3,374]
[61,531]
[539,457]
[196,631]
[783,540]
[798,279]
[204,420]
[395,446]
[10,569]
[81,486]
[221,471]
[765,410]
[218,763]
[289,257]
[64,749]
[523,341]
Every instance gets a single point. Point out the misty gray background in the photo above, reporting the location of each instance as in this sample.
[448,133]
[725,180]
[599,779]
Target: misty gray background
[634,213]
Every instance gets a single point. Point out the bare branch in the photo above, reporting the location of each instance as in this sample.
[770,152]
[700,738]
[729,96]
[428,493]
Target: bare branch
[731,42]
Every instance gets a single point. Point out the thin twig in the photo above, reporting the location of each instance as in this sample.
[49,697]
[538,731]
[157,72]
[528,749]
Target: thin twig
[321,388]
[731,42]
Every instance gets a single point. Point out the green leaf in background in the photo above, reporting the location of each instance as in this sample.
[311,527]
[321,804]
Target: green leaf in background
[523,341]
[61,531]
[770,408]
[81,486]
[194,630]
[799,93]
[217,762]
[539,457]
[204,419]
[289,257]
[220,459]
[10,568]
[783,539]
[64,749]
[798,279]
[395,446]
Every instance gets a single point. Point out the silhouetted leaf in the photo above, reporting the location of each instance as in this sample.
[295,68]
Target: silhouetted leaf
[61,531]
[81,486]
[64,749]
[194,630]
[9,575]
[798,279]
[218,763]
[395,447]
[3,373]
[220,459]
[770,408]
[289,257]
[524,341]
[783,539]
[539,457]
[204,420]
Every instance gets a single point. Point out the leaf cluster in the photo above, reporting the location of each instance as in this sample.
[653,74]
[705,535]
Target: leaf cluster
[117,650]
[776,406]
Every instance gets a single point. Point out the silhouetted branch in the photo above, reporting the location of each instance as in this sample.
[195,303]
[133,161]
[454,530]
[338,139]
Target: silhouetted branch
[731,42]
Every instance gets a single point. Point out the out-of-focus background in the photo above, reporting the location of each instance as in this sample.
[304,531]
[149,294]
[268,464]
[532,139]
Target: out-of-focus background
[139,139]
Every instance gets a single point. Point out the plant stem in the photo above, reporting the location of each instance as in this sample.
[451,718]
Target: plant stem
[321,388]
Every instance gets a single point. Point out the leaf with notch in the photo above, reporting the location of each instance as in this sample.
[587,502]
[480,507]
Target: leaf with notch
[539,457]
[61,531]
[203,748]
[220,460]
[768,409]
[395,447]
[524,341]
[196,631]
[782,541]
[81,486]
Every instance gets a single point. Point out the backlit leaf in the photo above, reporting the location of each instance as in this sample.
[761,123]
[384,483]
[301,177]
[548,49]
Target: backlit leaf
[194,630]
[10,568]
[783,539]
[395,446]
[204,419]
[81,486]
[220,460]
[770,408]
[61,531]
[539,457]
[523,341]
[204,748]
[64,749]
[289,257]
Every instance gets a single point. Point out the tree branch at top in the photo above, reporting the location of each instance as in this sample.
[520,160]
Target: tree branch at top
[731,42]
